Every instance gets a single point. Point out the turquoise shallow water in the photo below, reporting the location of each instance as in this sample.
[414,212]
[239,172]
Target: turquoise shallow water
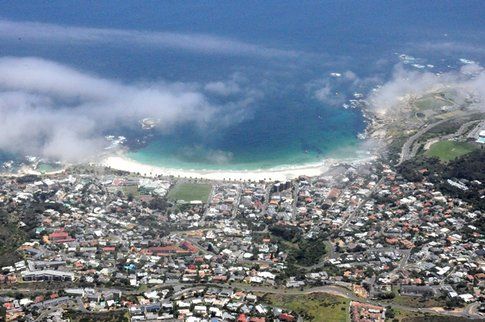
[160,153]
[290,133]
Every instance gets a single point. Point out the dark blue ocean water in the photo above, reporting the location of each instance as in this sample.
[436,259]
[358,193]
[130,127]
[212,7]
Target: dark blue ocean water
[284,123]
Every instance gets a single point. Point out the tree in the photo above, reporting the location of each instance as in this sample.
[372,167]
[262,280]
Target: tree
[3,314]
[390,312]
[454,302]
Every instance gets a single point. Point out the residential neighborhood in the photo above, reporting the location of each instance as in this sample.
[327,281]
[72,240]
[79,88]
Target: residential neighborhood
[109,241]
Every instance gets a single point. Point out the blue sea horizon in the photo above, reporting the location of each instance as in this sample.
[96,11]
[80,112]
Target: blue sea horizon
[280,79]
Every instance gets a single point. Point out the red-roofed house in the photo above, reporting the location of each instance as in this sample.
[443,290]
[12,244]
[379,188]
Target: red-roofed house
[286,317]
[60,236]
[188,246]
[166,250]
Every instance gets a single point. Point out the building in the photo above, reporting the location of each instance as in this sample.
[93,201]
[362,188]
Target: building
[47,275]
[417,290]
[481,137]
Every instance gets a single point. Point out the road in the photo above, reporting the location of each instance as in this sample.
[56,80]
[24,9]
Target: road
[459,133]
[407,148]
[332,253]
[469,311]
[404,259]
[356,209]
[463,128]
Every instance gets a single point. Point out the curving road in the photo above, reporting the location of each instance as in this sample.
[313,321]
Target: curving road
[409,150]
[470,311]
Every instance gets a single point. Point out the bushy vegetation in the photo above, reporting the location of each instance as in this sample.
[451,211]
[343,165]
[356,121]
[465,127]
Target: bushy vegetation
[470,167]
[30,178]
[467,168]
[10,238]
[15,229]
[288,233]
[159,203]
[309,252]
[18,222]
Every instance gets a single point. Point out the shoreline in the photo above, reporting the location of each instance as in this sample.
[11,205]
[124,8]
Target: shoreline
[120,161]
[123,163]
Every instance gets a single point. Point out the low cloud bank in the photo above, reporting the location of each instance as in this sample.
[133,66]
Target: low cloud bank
[200,43]
[470,79]
[57,112]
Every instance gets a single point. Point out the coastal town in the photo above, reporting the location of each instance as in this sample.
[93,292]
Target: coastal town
[93,240]
[262,161]
[387,238]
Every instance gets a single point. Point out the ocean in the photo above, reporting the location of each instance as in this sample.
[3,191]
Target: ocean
[286,77]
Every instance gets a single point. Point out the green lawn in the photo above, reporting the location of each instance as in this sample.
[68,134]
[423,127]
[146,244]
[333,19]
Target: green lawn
[313,307]
[449,150]
[130,190]
[111,316]
[435,101]
[412,301]
[400,314]
[436,318]
[190,191]
[410,316]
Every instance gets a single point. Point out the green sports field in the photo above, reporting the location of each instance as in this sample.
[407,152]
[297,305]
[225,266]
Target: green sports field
[190,192]
[314,307]
[449,150]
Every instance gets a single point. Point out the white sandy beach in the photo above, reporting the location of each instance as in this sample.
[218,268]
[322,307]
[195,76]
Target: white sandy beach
[277,174]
